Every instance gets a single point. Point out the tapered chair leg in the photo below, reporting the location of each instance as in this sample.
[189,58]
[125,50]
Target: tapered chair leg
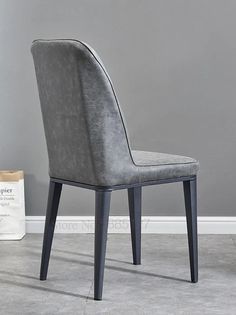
[190,194]
[51,215]
[135,206]
[102,207]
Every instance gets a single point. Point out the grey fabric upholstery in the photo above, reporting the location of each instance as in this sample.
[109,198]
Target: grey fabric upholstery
[154,166]
[85,132]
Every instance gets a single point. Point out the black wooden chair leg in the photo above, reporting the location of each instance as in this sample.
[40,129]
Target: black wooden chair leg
[51,215]
[135,206]
[190,194]
[102,207]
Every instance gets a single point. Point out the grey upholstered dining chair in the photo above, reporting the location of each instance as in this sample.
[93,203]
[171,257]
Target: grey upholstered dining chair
[88,147]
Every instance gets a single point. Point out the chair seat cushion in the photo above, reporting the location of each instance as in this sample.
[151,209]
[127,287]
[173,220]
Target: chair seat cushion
[155,166]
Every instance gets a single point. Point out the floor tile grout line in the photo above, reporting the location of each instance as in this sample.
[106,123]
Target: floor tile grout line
[90,288]
[86,301]
[87,298]
[232,239]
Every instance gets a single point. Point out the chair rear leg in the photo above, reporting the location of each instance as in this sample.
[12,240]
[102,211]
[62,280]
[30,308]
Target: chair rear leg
[135,206]
[51,215]
[190,194]
[102,207]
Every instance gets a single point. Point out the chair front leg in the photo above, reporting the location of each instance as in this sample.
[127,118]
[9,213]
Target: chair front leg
[190,194]
[51,215]
[102,207]
[135,209]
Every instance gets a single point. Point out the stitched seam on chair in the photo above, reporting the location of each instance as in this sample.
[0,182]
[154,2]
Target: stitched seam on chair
[165,164]
[116,99]
[89,138]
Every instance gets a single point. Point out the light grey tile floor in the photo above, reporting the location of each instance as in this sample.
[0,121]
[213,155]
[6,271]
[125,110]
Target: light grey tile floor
[159,286]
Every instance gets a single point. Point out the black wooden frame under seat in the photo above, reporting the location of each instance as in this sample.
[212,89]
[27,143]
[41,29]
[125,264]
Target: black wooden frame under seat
[102,207]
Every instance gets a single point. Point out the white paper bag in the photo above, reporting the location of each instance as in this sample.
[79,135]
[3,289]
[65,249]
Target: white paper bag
[12,205]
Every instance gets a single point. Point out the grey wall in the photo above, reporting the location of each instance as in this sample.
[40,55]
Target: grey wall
[173,66]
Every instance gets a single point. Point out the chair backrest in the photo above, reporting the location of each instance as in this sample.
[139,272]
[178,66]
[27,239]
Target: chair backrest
[85,133]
